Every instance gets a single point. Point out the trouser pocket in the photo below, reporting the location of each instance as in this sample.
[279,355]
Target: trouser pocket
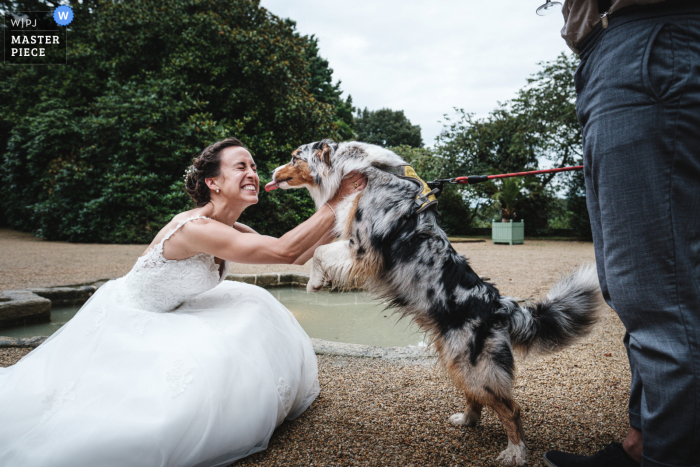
[666,64]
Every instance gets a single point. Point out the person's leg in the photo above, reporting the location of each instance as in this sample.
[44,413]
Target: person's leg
[639,105]
[633,442]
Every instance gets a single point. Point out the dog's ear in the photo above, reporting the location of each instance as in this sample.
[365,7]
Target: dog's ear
[326,151]
[326,154]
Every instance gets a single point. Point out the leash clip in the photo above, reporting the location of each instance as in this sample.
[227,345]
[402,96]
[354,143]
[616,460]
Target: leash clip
[438,185]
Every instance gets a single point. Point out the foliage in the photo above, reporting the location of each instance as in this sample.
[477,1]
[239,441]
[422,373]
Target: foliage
[323,89]
[423,160]
[496,144]
[509,193]
[386,127]
[538,126]
[558,215]
[95,151]
[548,105]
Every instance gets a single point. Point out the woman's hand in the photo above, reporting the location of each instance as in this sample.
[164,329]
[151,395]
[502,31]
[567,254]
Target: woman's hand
[352,183]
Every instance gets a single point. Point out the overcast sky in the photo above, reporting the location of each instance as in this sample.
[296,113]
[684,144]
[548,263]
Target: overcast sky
[426,58]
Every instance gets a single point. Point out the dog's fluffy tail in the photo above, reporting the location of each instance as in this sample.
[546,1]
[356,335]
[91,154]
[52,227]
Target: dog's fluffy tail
[567,313]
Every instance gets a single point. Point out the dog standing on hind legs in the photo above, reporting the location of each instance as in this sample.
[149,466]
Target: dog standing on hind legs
[392,244]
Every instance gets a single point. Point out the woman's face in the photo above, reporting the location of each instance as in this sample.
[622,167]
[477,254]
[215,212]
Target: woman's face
[238,180]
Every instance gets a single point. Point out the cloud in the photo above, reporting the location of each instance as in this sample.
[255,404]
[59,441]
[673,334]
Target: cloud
[427,58]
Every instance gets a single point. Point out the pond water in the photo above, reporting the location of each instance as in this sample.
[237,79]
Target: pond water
[348,317]
[59,317]
[352,317]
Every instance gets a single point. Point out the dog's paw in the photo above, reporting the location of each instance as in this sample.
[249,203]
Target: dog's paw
[458,419]
[472,418]
[461,419]
[514,454]
[314,285]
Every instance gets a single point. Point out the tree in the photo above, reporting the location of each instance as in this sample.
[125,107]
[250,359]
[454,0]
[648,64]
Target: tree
[548,105]
[495,144]
[509,193]
[95,151]
[539,125]
[386,127]
[323,89]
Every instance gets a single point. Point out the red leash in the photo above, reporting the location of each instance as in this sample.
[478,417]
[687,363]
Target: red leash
[482,178]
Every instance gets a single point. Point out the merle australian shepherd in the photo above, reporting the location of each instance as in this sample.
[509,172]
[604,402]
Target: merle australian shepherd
[406,258]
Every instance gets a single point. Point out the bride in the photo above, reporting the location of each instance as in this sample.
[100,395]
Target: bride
[171,365]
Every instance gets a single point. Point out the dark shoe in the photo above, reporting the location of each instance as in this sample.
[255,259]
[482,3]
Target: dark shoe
[611,456]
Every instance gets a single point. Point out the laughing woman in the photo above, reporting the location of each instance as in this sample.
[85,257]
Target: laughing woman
[170,365]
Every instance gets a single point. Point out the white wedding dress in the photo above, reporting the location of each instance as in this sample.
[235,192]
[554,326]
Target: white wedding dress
[167,366]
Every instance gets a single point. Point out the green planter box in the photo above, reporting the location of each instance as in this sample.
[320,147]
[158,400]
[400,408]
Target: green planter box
[511,232]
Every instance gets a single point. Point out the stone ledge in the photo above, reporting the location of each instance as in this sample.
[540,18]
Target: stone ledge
[65,296]
[283,279]
[23,307]
[322,347]
[26,342]
[31,306]
[274,279]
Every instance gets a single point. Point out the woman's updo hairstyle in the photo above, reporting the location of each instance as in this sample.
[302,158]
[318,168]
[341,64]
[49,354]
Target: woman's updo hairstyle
[206,165]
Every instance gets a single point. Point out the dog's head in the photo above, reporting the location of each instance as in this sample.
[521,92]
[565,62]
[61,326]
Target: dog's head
[321,166]
[311,167]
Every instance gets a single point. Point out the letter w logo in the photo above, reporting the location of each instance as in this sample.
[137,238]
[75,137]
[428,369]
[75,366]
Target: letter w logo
[63,15]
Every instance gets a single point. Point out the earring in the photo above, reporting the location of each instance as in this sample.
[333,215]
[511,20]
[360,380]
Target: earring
[217,190]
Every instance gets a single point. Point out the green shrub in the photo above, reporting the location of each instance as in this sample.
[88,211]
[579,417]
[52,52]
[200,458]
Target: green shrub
[95,151]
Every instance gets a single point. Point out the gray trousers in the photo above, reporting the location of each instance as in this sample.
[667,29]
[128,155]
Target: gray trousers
[638,89]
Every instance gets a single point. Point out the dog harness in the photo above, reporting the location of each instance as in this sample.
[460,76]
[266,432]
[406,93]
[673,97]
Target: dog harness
[427,196]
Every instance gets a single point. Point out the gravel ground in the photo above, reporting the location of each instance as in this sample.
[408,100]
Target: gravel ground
[394,412]
[28,261]
[382,412]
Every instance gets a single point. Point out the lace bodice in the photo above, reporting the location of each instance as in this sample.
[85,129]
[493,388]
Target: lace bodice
[159,284]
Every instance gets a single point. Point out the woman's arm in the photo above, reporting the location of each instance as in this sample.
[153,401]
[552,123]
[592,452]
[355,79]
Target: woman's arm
[243,228]
[220,240]
[326,239]
[215,238]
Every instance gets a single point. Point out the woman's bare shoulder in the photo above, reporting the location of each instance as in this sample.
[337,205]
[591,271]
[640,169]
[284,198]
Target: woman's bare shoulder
[184,215]
[189,235]
[174,222]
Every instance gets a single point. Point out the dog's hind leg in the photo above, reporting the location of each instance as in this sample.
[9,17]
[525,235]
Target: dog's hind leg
[508,412]
[471,415]
[331,264]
